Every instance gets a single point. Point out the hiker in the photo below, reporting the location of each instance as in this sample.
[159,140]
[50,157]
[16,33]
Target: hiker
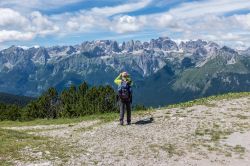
[124,83]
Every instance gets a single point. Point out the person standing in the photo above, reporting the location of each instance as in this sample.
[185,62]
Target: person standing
[124,83]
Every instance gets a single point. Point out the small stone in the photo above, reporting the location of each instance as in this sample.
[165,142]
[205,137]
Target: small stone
[47,152]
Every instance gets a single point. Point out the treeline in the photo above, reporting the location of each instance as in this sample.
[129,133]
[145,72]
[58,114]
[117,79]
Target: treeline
[15,99]
[71,102]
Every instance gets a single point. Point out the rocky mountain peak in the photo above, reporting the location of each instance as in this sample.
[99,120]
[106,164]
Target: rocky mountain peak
[41,56]
[13,49]
[228,50]
[245,52]
[192,45]
[163,43]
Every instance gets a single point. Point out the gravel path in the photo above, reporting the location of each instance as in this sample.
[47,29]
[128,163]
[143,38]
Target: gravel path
[217,133]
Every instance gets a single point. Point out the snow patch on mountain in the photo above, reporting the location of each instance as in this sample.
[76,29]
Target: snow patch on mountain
[8,65]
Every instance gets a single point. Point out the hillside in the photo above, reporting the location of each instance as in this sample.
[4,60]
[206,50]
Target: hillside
[214,77]
[209,131]
[14,99]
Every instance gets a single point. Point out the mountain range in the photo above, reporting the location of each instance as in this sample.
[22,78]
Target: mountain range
[163,71]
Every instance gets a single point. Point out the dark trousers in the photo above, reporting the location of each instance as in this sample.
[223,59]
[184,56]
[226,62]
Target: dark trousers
[125,106]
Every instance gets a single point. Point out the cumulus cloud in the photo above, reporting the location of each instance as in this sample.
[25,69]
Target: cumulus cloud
[185,18]
[15,35]
[208,20]
[73,25]
[101,18]
[164,20]
[85,22]
[199,8]
[112,19]
[16,27]
[243,20]
[9,17]
[211,20]
[41,25]
[125,24]
[160,20]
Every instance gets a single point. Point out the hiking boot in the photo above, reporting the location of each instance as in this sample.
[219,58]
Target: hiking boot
[121,123]
[129,123]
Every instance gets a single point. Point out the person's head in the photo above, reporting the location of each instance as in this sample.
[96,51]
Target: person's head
[125,74]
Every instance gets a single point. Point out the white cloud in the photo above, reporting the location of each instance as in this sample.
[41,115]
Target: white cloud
[199,8]
[9,17]
[164,20]
[112,19]
[24,5]
[207,20]
[243,20]
[160,20]
[230,36]
[125,24]
[180,19]
[99,18]
[192,20]
[73,25]
[15,35]
[109,11]
[16,27]
[41,25]
[85,22]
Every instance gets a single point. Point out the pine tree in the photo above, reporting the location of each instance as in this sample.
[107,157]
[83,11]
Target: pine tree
[72,102]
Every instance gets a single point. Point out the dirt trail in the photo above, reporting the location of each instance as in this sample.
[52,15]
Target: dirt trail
[217,133]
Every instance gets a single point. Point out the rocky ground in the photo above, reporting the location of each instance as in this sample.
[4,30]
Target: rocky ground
[216,133]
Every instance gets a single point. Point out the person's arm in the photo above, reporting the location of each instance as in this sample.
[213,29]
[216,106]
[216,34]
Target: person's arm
[129,81]
[118,80]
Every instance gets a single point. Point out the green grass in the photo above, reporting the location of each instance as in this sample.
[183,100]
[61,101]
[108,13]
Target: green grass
[207,100]
[241,116]
[13,142]
[239,149]
[170,149]
[215,133]
[105,117]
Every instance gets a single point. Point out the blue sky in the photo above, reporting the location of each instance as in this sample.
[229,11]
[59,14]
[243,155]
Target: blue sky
[60,22]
